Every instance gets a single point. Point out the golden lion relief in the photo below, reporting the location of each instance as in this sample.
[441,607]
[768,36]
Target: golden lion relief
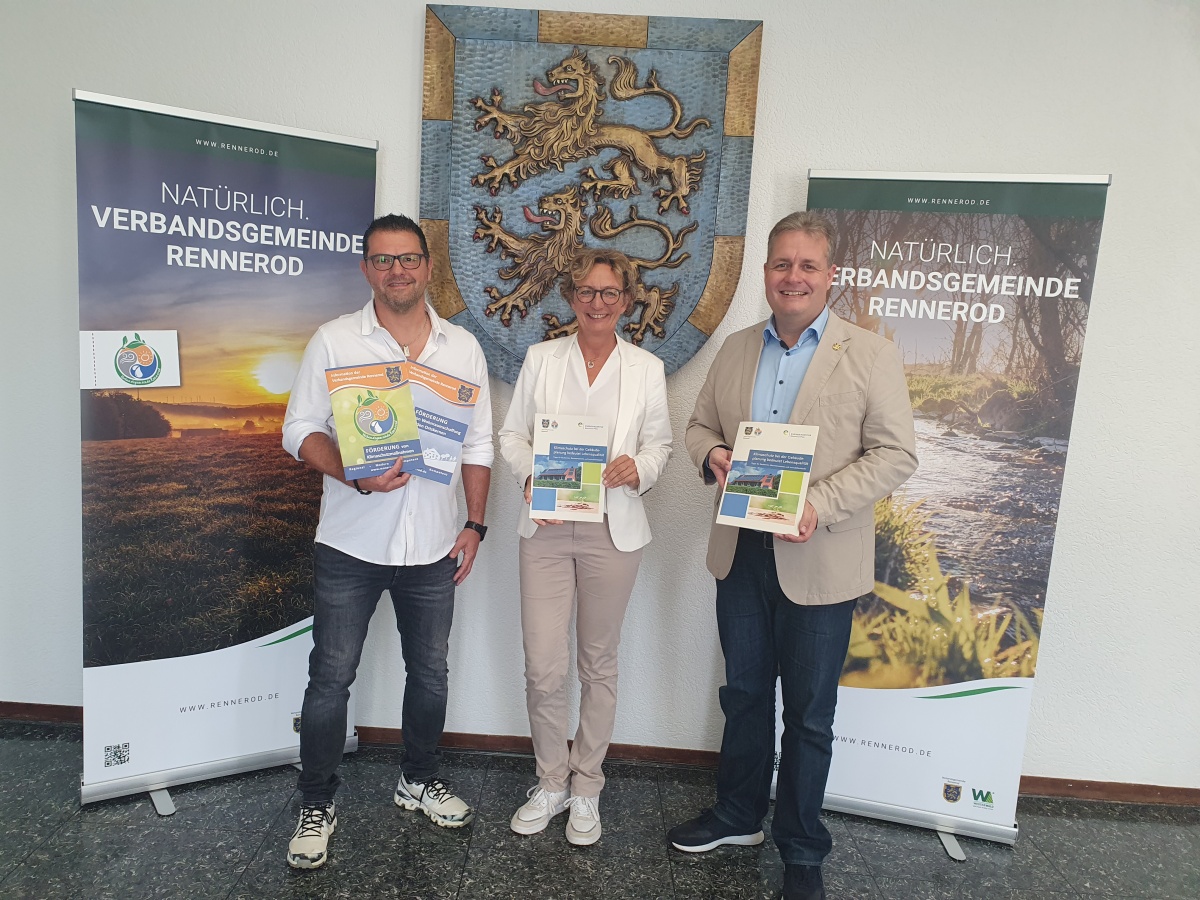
[538,258]
[568,128]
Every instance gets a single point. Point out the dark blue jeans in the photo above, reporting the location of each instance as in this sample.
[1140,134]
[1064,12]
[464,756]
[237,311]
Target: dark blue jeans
[764,634]
[347,590]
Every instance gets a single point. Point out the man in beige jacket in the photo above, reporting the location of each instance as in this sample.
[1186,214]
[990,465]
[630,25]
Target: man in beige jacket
[785,602]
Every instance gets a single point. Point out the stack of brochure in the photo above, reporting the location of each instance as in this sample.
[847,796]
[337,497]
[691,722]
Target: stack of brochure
[387,411]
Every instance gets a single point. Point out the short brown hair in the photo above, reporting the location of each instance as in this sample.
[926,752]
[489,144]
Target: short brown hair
[810,223]
[587,259]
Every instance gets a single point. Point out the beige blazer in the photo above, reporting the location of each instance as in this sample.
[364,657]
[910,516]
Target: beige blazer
[642,432]
[856,393]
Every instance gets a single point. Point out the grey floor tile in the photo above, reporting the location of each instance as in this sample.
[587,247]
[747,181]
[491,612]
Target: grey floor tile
[556,869]
[685,792]
[41,770]
[21,834]
[630,815]
[39,786]
[846,886]
[229,838]
[246,802]
[762,878]
[26,732]
[726,878]
[905,852]
[120,861]
[378,850]
[915,889]
[1106,850]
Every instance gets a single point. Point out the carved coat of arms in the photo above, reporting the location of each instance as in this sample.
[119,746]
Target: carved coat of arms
[548,132]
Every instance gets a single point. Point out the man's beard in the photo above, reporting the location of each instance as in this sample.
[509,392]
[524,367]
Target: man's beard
[400,306]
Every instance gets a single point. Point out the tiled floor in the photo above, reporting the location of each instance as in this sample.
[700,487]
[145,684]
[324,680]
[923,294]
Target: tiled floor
[227,840]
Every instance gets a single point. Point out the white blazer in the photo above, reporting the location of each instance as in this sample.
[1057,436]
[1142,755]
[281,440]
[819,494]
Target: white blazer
[643,429]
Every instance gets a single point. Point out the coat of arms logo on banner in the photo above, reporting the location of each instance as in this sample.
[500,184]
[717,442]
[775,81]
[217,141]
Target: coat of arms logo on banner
[546,132]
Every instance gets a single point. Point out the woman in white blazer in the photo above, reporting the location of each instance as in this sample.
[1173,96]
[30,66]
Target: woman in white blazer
[589,566]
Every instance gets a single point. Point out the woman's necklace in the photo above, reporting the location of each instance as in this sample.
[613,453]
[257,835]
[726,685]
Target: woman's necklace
[599,357]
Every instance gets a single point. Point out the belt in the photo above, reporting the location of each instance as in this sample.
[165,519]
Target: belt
[756,538]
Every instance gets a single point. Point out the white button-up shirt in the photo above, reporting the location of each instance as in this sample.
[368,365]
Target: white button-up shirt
[418,523]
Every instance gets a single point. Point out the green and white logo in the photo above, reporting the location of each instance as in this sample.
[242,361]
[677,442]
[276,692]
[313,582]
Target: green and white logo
[136,362]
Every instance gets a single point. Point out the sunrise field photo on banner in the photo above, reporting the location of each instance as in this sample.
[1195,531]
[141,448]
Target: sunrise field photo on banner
[241,241]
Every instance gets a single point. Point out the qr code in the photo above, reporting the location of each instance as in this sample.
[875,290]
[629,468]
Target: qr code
[116,755]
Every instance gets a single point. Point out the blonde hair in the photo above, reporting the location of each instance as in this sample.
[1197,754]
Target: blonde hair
[587,259]
[810,223]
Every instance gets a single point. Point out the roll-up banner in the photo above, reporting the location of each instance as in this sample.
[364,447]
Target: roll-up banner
[210,249]
[984,283]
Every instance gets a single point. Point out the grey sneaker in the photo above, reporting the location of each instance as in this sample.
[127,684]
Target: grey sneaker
[308,846]
[434,798]
[535,814]
[583,826]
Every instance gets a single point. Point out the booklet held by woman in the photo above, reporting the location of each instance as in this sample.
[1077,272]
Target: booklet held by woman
[569,455]
[769,479]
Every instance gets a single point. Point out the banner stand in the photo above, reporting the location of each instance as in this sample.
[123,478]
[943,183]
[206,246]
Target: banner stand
[210,249]
[160,781]
[983,282]
[874,809]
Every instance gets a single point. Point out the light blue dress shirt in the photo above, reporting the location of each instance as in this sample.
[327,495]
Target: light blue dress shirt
[781,370]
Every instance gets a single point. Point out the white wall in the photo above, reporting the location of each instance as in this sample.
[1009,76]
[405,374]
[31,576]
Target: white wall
[1092,86]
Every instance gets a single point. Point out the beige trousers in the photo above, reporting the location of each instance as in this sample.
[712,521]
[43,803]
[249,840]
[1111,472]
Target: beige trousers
[573,564]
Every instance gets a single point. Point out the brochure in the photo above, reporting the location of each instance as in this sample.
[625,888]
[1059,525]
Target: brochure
[374,417]
[444,406]
[569,455]
[766,487]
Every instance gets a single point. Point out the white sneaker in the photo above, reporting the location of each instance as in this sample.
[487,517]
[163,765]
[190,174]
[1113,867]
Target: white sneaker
[434,798]
[535,814]
[583,826]
[307,848]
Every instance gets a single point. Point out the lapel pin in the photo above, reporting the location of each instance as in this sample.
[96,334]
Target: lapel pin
[837,346]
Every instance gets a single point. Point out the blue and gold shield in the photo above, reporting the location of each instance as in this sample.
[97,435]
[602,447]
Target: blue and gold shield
[951,793]
[547,132]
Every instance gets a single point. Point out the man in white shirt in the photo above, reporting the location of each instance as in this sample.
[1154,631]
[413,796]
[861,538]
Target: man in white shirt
[389,532]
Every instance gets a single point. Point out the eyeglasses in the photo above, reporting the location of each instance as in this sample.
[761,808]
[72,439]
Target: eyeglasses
[383,261]
[608,295]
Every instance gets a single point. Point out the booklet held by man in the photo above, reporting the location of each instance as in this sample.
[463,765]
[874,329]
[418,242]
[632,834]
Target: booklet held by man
[374,417]
[769,479]
[444,406]
[569,455]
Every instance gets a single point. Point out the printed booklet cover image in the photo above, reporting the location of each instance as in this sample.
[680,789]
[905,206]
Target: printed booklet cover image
[569,454]
[374,417]
[769,479]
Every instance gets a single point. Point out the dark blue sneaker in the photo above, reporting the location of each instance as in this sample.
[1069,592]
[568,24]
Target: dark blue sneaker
[803,883]
[707,832]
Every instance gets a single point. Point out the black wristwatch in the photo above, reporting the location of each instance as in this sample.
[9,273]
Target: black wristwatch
[481,530]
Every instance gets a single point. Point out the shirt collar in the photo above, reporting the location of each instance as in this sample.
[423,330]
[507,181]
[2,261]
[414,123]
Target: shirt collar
[816,329]
[370,321]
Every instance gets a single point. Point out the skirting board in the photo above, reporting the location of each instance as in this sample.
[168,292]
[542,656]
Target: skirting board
[1031,785]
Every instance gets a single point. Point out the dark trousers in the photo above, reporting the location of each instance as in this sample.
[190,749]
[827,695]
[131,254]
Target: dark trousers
[347,590]
[764,635]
